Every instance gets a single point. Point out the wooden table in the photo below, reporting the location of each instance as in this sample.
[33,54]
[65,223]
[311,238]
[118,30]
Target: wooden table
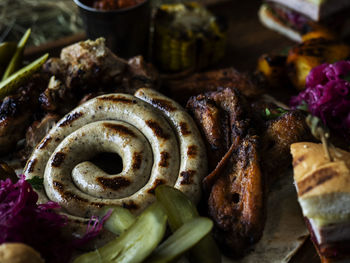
[248,39]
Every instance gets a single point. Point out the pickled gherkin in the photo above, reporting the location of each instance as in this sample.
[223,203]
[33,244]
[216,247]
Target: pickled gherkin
[7,50]
[136,243]
[180,210]
[119,221]
[16,61]
[10,84]
[183,239]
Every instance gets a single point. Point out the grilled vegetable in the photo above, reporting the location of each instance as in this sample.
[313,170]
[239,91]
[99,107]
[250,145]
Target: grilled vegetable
[180,210]
[119,221]
[273,69]
[311,53]
[7,50]
[187,36]
[317,30]
[16,60]
[136,243]
[183,239]
[10,84]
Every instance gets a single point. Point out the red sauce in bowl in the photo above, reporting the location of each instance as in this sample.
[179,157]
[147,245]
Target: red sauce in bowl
[108,5]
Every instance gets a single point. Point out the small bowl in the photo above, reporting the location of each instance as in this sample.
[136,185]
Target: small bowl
[126,30]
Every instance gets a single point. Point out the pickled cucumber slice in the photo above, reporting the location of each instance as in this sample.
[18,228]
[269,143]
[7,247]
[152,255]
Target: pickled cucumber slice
[16,60]
[183,239]
[119,221]
[10,84]
[7,50]
[136,243]
[180,210]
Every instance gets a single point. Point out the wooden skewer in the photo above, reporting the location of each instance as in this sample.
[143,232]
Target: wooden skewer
[324,139]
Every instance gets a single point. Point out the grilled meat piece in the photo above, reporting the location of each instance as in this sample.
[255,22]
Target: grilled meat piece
[140,75]
[200,83]
[89,67]
[7,172]
[221,118]
[39,129]
[254,149]
[16,112]
[214,124]
[276,139]
[236,201]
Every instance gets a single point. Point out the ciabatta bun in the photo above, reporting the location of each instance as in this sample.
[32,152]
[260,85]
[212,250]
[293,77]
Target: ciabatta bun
[273,23]
[314,9]
[323,187]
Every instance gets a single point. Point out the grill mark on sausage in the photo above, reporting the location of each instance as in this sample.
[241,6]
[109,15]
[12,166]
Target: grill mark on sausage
[136,160]
[192,151]
[43,143]
[317,178]
[70,118]
[118,99]
[71,196]
[58,159]
[164,159]
[31,165]
[187,177]
[130,205]
[299,160]
[58,186]
[113,183]
[157,130]
[163,104]
[155,184]
[184,129]
[121,129]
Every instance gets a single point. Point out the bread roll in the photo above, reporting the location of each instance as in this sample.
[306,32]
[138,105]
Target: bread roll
[323,187]
[19,253]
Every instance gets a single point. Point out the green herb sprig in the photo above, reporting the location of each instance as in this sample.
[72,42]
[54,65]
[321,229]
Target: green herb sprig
[36,182]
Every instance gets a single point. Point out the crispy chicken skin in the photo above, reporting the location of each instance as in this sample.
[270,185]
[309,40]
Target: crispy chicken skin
[213,123]
[276,139]
[16,112]
[219,113]
[236,201]
[250,150]
[236,198]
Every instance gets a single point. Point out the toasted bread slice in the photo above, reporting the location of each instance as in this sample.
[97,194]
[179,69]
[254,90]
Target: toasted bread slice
[323,186]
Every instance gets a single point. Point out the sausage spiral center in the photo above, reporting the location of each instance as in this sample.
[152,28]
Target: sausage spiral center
[156,139]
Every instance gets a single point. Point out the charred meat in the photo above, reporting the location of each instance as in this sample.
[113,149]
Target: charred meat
[89,67]
[16,113]
[236,187]
[251,149]
[200,83]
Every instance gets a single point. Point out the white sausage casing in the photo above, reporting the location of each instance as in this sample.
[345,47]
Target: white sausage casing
[159,144]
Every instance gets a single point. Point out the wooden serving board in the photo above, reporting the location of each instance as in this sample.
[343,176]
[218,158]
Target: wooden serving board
[247,40]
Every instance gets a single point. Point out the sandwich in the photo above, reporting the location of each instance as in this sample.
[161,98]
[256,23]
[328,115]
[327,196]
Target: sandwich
[294,18]
[323,189]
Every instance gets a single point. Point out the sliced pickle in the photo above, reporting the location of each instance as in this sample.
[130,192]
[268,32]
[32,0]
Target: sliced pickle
[119,221]
[182,240]
[16,60]
[180,210]
[136,243]
[7,50]
[10,84]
